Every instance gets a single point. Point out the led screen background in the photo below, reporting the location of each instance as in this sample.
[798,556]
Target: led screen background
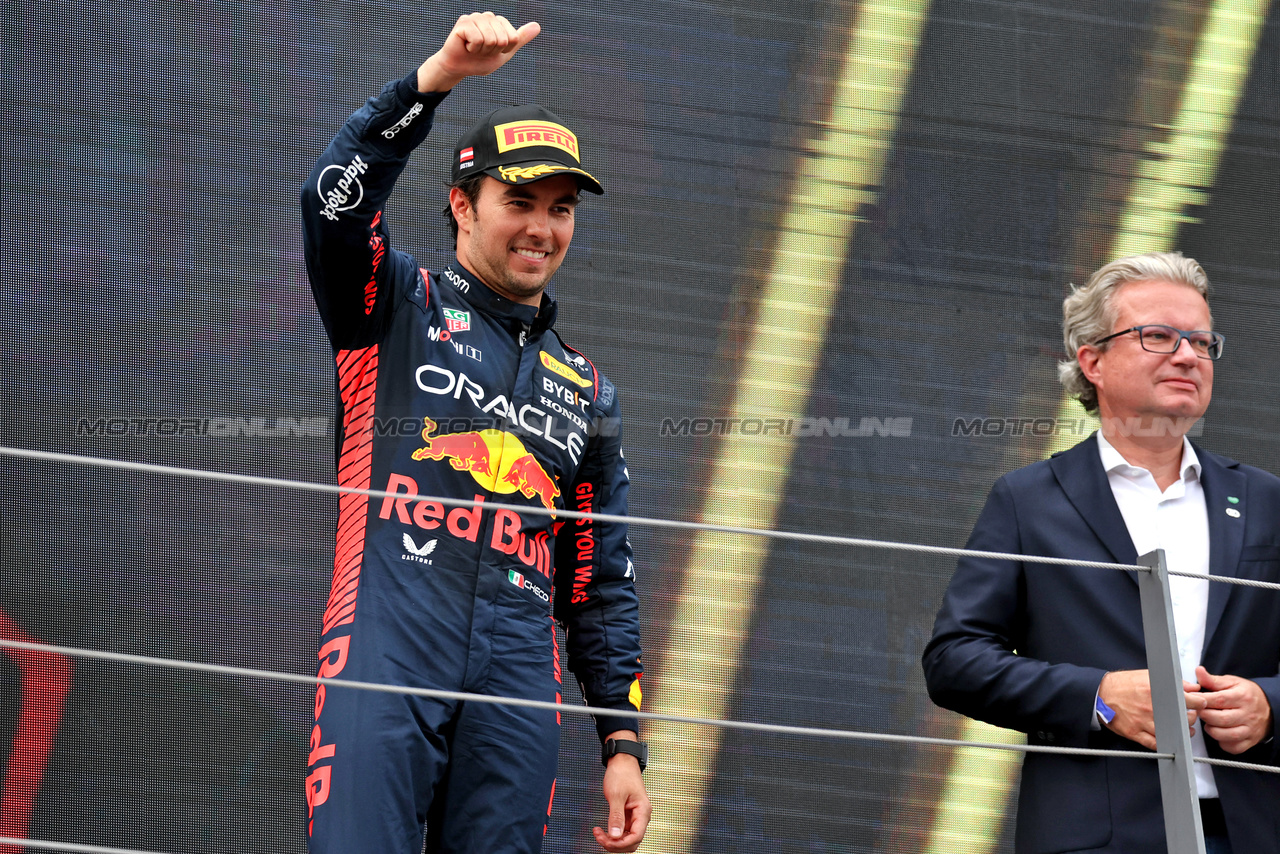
[153,271]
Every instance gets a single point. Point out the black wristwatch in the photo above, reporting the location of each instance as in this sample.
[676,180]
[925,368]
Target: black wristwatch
[614,746]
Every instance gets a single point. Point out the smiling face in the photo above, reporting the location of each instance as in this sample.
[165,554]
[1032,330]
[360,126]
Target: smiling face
[1135,384]
[515,236]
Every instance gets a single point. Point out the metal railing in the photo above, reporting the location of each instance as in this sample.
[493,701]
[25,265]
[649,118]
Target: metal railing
[1184,832]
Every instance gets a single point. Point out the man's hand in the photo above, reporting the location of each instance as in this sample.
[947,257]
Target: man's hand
[1128,693]
[1237,714]
[629,807]
[479,44]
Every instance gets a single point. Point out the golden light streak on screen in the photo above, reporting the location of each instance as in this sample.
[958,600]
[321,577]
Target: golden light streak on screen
[841,171]
[1172,177]
[1175,174]
[971,809]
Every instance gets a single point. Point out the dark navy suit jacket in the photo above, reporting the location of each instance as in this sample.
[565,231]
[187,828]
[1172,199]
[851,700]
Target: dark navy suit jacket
[1024,646]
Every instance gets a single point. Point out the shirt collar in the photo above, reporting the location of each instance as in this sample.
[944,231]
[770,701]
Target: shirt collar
[1113,461]
[481,296]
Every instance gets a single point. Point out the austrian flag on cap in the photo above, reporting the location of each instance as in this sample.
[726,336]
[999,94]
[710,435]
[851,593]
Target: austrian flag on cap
[466,154]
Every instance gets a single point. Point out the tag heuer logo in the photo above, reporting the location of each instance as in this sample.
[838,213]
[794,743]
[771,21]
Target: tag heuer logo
[457,321]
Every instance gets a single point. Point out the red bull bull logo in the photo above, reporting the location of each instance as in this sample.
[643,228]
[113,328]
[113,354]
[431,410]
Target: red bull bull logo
[465,451]
[496,459]
[532,480]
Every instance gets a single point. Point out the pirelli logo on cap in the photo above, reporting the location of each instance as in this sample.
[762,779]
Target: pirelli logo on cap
[526,134]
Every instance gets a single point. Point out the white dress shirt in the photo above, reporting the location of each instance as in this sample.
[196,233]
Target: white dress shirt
[1177,521]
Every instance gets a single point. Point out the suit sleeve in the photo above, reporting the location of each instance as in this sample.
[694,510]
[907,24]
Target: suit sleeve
[1269,751]
[595,590]
[353,269]
[971,665]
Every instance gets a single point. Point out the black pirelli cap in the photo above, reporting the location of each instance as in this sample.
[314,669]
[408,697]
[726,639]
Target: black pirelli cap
[519,145]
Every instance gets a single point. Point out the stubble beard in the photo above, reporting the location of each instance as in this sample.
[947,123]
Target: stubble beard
[522,287]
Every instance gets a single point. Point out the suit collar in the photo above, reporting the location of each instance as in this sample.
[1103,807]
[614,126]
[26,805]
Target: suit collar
[1080,473]
[540,317]
[1222,480]
[1112,460]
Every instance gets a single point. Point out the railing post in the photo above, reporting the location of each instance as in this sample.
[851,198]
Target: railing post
[1177,776]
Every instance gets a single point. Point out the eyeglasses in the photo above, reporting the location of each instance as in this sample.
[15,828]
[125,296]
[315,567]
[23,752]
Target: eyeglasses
[1166,340]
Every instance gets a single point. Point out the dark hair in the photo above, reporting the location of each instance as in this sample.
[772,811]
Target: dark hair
[470,187]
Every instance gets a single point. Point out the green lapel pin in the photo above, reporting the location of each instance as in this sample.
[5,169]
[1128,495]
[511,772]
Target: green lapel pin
[1231,499]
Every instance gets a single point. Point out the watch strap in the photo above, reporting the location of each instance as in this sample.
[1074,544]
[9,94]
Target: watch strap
[614,746]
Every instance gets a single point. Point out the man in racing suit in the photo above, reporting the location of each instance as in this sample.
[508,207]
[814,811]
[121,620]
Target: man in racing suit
[455,384]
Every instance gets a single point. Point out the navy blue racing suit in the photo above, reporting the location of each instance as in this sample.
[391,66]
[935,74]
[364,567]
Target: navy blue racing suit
[446,388]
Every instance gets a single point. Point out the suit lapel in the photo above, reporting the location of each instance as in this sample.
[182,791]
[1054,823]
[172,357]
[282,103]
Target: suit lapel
[1221,478]
[1080,474]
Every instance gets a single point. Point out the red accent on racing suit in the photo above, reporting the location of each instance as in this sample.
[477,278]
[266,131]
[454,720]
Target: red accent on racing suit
[460,393]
